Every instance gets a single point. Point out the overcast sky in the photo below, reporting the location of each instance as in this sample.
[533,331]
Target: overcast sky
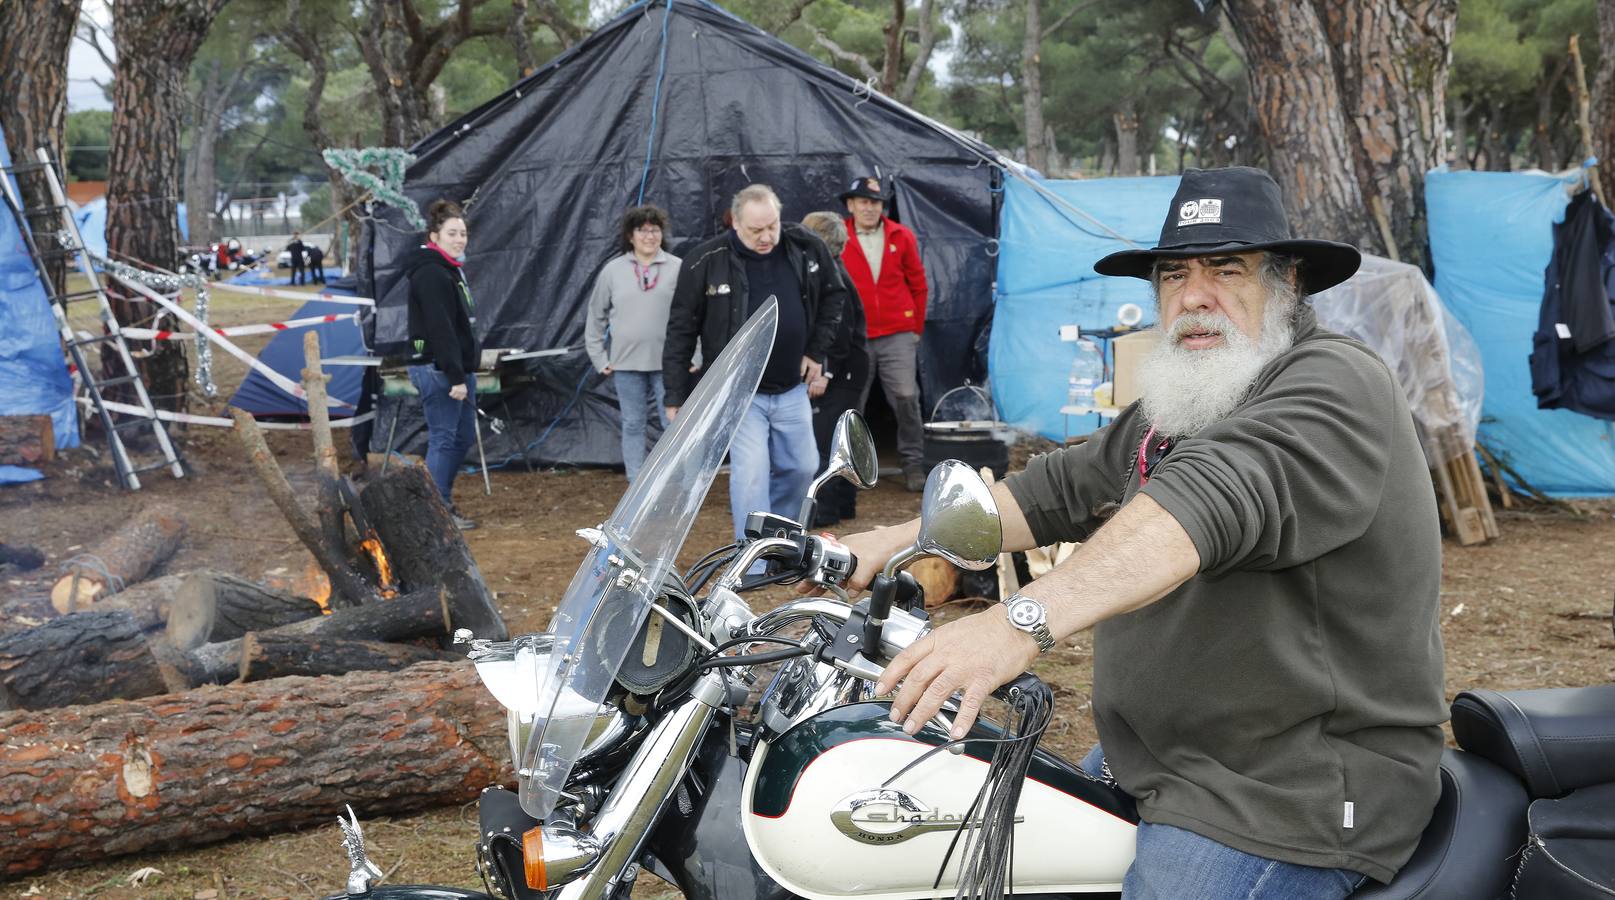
[84,65]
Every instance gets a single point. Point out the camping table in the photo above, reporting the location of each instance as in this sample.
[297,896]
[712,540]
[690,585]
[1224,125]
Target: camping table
[395,383]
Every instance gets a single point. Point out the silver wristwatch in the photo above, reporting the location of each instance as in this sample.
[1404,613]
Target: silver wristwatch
[1029,616]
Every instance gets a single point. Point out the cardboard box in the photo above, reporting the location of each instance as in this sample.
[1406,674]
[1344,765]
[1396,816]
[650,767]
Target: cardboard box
[1128,352]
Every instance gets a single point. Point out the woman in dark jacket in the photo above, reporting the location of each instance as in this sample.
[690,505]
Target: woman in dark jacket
[443,369]
[841,383]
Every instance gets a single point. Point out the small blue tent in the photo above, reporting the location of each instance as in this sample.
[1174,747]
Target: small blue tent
[33,373]
[92,222]
[284,354]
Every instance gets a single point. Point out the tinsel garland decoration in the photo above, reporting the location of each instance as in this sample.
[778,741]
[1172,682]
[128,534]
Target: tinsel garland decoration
[386,184]
[170,286]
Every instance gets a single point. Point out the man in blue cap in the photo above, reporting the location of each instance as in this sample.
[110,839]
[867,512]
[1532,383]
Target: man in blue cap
[1261,565]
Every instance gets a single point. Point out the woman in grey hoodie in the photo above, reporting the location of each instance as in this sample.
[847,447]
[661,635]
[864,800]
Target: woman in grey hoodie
[628,323]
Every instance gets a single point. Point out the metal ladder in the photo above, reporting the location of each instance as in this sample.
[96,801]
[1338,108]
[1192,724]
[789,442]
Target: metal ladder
[115,422]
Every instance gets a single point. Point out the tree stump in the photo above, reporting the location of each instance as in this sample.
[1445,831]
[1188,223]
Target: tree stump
[80,784]
[83,657]
[425,549]
[210,606]
[121,560]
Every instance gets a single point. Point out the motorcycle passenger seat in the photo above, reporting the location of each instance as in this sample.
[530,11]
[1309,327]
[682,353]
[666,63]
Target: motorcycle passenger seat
[1467,849]
[1554,739]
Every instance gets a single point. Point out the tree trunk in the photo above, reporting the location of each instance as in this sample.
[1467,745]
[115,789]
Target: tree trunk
[201,178]
[1298,107]
[26,440]
[1603,92]
[1458,157]
[35,36]
[1032,86]
[426,550]
[1126,121]
[269,655]
[1392,59]
[1547,155]
[208,607]
[80,784]
[85,657]
[156,41]
[922,53]
[891,70]
[120,560]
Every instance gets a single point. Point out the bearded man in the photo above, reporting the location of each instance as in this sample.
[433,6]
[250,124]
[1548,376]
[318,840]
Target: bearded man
[1260,564]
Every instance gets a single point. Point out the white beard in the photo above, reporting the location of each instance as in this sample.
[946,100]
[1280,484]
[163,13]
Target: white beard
[1183,391]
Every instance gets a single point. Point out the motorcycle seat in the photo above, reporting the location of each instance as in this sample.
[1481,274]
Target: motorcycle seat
[1467,849]
[1554,739]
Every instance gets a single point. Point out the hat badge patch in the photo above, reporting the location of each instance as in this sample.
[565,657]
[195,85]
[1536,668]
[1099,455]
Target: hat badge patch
[872,185]
[1200,212]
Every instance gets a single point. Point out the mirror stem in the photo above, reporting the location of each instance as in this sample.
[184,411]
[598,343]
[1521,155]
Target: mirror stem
[810,505]
[881,593]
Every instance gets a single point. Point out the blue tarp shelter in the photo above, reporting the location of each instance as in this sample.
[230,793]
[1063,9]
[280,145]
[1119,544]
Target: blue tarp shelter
[1491,237]
[33,375]
[1050,235]
[284,354]
[92,222]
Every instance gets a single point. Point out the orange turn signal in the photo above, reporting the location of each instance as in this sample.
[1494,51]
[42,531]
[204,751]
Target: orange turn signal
[533,858]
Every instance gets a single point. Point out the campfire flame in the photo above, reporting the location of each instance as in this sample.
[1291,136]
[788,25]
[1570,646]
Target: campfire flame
[384,570]
[311,583]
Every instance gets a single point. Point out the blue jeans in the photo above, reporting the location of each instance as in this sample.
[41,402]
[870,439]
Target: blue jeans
[450,424]
[773,457]
[635,392]
[1175,864]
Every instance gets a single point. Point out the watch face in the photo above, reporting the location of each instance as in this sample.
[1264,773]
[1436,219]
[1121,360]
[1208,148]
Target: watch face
[1025,612]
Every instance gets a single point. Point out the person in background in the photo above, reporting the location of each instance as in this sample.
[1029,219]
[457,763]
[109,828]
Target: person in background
[884,262]
[843,382]
[722,283]
[627,324]
[296,248]
[444,367]
[316,264]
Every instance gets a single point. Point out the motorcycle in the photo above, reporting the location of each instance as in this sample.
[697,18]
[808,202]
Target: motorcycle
[644,734]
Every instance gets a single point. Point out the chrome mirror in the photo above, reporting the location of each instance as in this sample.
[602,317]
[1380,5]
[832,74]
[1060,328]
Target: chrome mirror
[852,456]
[958,521]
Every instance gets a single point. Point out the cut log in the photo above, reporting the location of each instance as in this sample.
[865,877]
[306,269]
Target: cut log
[213,606]
[126,557]
[26,440]
[425,549]
[272,655]
[147,601]
[412,615]
[80,784]
[83,657]
[938,577]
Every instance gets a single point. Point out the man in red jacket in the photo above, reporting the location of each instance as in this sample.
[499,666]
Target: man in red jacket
[883,259]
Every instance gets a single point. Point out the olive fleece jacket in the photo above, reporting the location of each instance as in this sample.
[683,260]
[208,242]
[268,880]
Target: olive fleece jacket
[1287,700]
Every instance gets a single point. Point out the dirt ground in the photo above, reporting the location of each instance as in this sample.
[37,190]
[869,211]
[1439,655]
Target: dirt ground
[1531,609]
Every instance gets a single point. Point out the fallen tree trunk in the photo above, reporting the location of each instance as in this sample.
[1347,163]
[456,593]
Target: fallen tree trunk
[121,560]
[213,606]
[425,549]
[271,655]
[83,783]
[26,440]
[84,657]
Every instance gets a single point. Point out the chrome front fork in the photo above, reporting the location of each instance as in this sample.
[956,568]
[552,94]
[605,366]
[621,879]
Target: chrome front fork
[648,782]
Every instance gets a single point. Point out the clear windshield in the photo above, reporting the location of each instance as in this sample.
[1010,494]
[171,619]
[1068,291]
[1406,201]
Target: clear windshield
[612,592]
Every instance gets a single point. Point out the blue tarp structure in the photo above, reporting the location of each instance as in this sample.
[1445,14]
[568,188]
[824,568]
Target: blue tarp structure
[284,354]
[1046,252]
[1491,238]
[33,375]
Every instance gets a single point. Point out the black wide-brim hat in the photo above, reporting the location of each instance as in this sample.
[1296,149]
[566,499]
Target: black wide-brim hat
[1234,210]
[867,186]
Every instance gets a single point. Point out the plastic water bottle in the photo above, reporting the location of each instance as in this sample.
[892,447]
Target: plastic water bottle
[1087,371]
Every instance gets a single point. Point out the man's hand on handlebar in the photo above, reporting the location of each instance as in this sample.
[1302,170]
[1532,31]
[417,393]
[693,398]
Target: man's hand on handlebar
[973,655]
[872,549]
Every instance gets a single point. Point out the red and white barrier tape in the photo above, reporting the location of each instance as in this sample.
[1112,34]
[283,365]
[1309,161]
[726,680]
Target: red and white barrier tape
[166,416]
[151,334]
[253,362]
[290,295]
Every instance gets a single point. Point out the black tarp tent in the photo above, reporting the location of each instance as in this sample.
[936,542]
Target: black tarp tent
[677,103]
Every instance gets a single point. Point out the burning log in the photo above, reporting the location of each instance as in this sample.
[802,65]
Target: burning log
[122,559]
[81,783]
[83,657]
[426,613]
[213,606]
[426,549]
[275,655]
